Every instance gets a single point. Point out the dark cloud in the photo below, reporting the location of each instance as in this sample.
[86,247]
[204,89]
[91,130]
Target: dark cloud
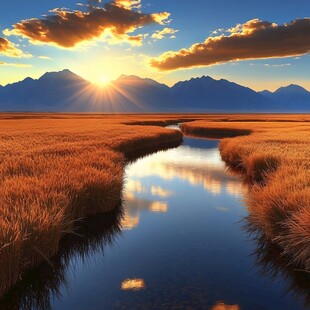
[253,40]
[67,28]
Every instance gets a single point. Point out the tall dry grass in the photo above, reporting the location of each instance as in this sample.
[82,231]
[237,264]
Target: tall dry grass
[274,159]
[39,286]
[55,171]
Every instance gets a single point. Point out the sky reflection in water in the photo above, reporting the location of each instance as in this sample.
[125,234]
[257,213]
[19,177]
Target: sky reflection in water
[182,242]
[196,162]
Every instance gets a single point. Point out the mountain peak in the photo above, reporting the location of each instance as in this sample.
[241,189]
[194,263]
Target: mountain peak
[292,88]
[64,74]
[265,93]
[129,77]
[28,79]
[202,78]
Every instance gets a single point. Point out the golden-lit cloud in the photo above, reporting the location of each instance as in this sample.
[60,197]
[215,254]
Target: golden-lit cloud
[129,4]
[9,49]
[161,18]
[45,57]
[8,64]
[64,28]
[254,39]
[166,32]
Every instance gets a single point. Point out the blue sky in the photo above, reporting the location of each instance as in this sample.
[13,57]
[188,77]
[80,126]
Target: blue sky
[100,59]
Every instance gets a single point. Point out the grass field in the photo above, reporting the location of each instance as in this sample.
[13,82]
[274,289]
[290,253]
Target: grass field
[55,171]
[274,159]
[57,168]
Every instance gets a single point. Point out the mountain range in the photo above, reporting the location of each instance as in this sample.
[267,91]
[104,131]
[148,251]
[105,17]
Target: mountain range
[65,91]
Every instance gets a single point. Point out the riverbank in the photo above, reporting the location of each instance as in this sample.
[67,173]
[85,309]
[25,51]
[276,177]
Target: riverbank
[56,171]
[273,157]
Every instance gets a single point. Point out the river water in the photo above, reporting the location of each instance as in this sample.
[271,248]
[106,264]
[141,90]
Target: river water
[179,242]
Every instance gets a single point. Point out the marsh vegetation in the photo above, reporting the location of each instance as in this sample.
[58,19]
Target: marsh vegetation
[57,170]
[54,172]
[273,157]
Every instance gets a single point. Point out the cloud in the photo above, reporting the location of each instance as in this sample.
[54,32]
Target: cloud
[277,65]
[271,65]
[68,28]
[15,65]
[254,39]
[45,57]
[166,32]
[129,4]
[9,49]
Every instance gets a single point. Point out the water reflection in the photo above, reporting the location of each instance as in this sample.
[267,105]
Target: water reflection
[133,205]
[197,161]
[276,266]
[40,285]
[133,285]
[223,306]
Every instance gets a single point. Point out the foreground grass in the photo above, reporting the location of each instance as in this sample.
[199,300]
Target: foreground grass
[55,171]
[274,159]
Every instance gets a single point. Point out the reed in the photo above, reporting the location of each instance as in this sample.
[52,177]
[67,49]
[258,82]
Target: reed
[54,172]
[274,160]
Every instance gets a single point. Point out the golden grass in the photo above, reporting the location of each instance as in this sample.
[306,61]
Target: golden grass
[274,159]
[40,285]
[55,171]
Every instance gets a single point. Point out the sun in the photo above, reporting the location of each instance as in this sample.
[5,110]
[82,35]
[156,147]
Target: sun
[104,80]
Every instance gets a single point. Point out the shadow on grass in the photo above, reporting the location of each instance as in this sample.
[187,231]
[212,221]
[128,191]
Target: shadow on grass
[140,153]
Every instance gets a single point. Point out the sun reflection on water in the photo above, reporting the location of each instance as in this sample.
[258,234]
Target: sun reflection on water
[134,284]
[223,306]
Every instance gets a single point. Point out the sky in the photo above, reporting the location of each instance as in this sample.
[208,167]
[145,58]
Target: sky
[259,44]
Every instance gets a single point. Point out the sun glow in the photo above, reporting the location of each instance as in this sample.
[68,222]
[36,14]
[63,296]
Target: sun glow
[104,81]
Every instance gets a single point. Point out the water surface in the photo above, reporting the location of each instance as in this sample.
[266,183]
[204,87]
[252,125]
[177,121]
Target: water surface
[179,242]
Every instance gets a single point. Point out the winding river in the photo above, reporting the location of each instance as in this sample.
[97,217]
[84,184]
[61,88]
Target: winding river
[180,241]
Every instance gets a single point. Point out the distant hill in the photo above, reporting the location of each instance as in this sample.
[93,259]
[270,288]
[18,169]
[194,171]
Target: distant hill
[137,94]
[65,91]
[292,97]
[218,95]
[53,91]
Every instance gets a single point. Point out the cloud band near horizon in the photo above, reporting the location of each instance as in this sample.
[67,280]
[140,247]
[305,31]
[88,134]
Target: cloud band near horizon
[67,28]
[254,39]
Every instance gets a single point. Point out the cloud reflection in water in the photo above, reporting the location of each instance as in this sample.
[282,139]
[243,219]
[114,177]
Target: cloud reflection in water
[199,166]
